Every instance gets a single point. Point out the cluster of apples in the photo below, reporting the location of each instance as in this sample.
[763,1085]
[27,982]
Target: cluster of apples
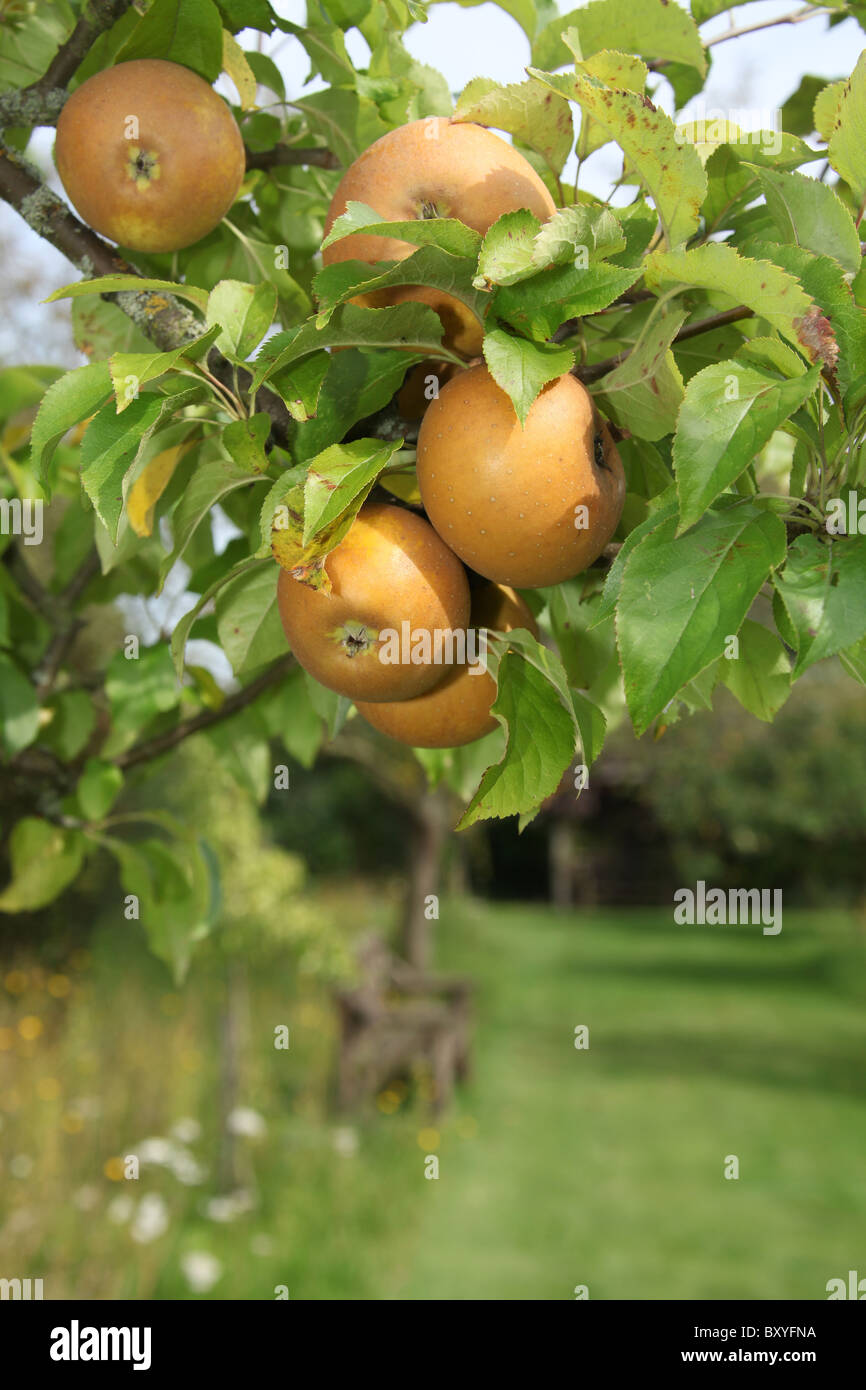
[152,157]
[517,507]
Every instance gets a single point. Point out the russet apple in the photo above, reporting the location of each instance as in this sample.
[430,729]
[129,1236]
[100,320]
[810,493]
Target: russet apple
[149,155]
[390,569]
[525,506]
[434,168]
[457,711]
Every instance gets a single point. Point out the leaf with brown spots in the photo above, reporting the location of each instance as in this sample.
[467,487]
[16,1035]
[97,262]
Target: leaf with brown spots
[772,293]
[533,115]
[670,171]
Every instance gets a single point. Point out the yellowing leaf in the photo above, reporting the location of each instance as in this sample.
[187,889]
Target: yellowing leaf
[669,169]
[826,107]
[847,147]
[150,484]
[236,65]
[770,292]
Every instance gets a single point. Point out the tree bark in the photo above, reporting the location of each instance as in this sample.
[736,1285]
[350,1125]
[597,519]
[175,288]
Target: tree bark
[562,862]
[426,844]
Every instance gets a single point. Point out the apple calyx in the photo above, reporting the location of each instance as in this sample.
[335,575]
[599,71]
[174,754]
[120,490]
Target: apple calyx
[142,166]
[355,638]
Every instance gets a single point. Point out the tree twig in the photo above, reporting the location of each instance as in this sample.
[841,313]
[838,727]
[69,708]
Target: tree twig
[292,154]
[594,370]
[151,748]
[795,17]
[164,320]
[42,102]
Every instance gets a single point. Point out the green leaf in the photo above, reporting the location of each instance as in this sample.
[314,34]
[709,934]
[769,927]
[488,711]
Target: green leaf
[245,441]
[663,507]
[177,887]
[522,368]
[847,146]
[300,385]
[428,266]
[854,661]
[413,327]
[23,387]
[326,49]
[70,400]
[729,413]
[98,788]
[305,516]
[447,233]
[265,70]
[71,725]
[669,169]
[682,596]
[182,630]
[19,709]
[845,324]
[244,314]
[338,477]
[614,70]
[526,111]
[797,110]
[809,213]
[115,284]
[210,482]
[540,305]
[292,718]
[358,384]
[248,622]
[45,859]
[516,247]
[109,448]
[656,29]
[644,393]
[181,31]
[330,707]
[543,720]
[585,647]
[507,251]
[138,689]
[347,122]
[761,286]
[705,9]
[823,589]
[826,108]
[132,370]
[760,676]
[247,14]
[584,233]
[244,753]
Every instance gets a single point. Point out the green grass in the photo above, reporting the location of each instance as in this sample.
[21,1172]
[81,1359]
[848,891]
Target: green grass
[558,1167]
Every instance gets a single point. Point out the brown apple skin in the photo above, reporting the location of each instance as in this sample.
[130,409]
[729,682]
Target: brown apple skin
[390,568]
[172,184]
[504,498]
[457,711]
[434,167]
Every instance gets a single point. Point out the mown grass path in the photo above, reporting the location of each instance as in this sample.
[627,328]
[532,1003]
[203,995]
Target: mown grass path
[606,1167]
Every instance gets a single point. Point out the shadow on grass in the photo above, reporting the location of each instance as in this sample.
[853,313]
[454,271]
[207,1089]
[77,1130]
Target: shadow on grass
[805,1066]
